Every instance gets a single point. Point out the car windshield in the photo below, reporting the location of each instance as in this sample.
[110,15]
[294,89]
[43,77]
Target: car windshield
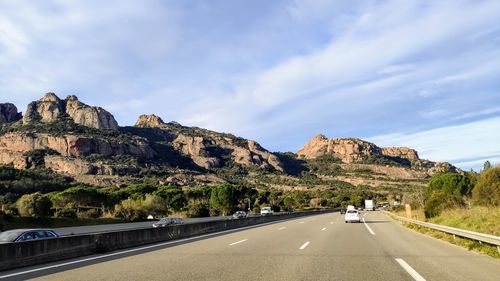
[352,212]
[9,236]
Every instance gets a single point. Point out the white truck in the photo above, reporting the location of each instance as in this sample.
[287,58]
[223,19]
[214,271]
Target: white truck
[369,205]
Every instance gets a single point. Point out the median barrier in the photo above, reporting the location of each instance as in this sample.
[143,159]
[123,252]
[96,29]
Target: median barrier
[21,254]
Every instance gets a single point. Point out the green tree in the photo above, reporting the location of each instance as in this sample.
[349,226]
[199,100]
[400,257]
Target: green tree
[487,189]
[173,197]
[444,191]
[222,198]
[34,205]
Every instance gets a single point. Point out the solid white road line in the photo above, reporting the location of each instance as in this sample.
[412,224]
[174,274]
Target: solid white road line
[367,227]
[301,221]
[323,229]
[238,242]
[304,246]
[281,228]
[410,270]
[132,250]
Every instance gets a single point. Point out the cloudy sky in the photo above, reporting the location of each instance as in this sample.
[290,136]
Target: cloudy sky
[423,74]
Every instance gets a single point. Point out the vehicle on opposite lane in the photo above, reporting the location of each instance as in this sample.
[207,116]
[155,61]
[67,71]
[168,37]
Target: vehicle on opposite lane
[239,215]
[352,216]
[266,211]
[167,221]
[20,235]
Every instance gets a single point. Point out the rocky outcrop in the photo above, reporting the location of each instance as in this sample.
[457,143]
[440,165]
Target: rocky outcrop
[72,145]
[195,148]
[402,152]
[8,113]
[149,121]
[50,109]
[347,150]
[255,155]
[77,167]
[89,116]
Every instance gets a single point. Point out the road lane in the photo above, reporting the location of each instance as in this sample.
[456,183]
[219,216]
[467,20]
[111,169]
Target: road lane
[273,252]
[432,258]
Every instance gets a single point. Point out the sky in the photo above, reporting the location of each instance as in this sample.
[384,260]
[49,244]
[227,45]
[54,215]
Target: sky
[422,74]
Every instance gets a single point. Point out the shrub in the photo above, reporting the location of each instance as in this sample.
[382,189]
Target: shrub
[445,191]
[130,210]
[89,214]
[198,209]
[487,189]
[34,205]
[66,212]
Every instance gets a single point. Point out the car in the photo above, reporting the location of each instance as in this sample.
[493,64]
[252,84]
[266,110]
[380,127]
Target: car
[239,215]
[21,235]
[266,211]
[167,221]
[352,216]
[342,211]
[163,222]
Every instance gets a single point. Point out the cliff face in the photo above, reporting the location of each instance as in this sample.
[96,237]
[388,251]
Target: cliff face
[351,150]
[8,113]
[210,149]
[50,109]
[347,150]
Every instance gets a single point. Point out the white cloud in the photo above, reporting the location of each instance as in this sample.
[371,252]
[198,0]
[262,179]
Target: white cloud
[451,144]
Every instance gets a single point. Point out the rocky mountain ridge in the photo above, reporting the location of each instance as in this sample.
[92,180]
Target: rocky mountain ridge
[85,142]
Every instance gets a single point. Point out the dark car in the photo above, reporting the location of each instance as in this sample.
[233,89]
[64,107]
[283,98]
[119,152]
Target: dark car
[167,221]
[342,211]
[20,235]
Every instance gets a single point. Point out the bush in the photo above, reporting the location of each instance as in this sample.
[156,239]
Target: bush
[66,212]
[34,205]
[445,191]
[89,214]
[197,209]
[487,189]
[130,210]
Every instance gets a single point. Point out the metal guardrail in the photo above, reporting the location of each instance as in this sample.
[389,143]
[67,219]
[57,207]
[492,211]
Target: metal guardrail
[486,238]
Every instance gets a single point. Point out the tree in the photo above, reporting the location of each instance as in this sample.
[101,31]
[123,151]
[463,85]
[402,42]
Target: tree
[222,198]
[487,165]
[487,189]
[34,205]
[445,190]
[173,197]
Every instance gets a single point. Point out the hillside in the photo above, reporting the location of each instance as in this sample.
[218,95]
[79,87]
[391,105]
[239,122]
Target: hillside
[68,137]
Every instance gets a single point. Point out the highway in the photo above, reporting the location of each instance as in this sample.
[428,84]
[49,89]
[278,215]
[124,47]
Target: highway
[320,247]
[63,231]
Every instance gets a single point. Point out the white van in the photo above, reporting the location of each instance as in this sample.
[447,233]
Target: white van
[266,211]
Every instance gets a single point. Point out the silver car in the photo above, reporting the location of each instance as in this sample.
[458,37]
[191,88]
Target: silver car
[21,235]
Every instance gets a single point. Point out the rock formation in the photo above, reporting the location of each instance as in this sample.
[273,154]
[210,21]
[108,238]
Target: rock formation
[8,113]
[347,150]
[89,116]
[50,109]
[149,121]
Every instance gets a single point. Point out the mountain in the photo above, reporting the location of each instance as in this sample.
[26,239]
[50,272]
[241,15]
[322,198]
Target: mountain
[69,137]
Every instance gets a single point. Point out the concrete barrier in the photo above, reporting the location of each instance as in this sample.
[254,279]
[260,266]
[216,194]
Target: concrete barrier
[15,255]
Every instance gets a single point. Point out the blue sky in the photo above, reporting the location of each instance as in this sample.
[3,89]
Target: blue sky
[423,74]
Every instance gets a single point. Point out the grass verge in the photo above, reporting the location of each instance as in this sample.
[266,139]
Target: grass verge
[478,219]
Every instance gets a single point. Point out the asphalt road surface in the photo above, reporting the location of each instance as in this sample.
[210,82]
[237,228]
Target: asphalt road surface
[320,247]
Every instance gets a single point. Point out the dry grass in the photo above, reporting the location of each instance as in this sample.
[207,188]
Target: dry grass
[478,219]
